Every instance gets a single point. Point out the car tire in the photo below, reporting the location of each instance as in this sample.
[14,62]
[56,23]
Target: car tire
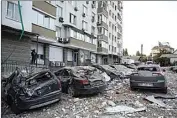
[71,91]
[132,88]
[15,109]
[13,106]
[164,90]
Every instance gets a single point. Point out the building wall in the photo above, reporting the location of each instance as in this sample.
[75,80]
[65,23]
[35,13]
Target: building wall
[26,9]
[22,52]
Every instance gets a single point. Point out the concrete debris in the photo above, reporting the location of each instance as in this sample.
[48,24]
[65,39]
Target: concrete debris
[166,96]
[119,102]
[153,100]
[122,108]
[107,78]
[111,103]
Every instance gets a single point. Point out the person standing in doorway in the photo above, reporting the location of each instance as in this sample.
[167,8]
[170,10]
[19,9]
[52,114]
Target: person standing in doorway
[34,56]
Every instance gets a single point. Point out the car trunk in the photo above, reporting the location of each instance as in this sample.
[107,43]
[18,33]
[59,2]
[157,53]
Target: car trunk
[146,76]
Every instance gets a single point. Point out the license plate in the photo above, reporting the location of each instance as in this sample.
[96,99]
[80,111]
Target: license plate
[145,84]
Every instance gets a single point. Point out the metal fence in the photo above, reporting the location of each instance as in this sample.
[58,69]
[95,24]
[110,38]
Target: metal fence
[9,67]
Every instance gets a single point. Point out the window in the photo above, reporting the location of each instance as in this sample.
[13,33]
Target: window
[100,30]
[58,32]
[109,47]
[109,23]
[110,12]
[109,35]
[73,33]
[84,25]
[115,28]
[85,9]
[72,19]
[93,16]
[87,39]
[12,11]
[113,15]
[115,7]
[115,38]
[43,20]
[105,32]
[59,11]
[40,19]
[93,30]
[112,37]
[93,2]
[114,49]
[47,22]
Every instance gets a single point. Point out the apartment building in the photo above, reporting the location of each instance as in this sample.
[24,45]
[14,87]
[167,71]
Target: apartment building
[79,28]
[110,30]
[61,32]
[11,47]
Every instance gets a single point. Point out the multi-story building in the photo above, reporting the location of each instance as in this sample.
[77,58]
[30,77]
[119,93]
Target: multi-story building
[60,31]
[110,30]
[79,27]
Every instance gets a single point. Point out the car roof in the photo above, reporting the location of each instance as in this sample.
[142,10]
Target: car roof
[151,65]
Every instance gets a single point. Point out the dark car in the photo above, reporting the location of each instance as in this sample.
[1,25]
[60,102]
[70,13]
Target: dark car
[111,72]
[148,77]
[24,92]
[81,80]
[174,69]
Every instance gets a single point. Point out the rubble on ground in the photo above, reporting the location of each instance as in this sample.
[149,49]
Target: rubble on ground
[94,106]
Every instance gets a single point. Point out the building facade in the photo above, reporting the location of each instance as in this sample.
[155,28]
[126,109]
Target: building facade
[62,32]
[110,30]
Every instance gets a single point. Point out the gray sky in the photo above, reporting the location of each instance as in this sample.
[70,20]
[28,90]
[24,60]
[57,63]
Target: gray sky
[147,22]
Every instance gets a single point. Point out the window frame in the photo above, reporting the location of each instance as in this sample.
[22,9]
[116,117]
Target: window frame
[58,30]
[74,19]
[13,12]
[61,12]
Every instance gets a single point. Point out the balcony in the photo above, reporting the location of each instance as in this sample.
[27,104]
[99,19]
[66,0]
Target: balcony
[75,43]
[46,7]
[103,38]
[102,10]
[103,24]
[102,50]
[43,31]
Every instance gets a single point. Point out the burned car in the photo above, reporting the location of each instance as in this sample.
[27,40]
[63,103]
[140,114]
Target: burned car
[111,72]
[22,91]
[81,80]
[148,77]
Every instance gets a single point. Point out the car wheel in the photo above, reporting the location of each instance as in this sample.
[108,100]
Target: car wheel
[71,91]
[13,106]
[15,109]
[164,90]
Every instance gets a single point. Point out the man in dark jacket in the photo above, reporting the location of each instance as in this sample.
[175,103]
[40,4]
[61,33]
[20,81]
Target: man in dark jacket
[34,56]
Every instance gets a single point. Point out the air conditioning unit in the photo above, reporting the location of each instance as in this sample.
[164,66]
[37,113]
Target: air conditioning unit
[61,19]
[75,8]
[52,63]
[83,14]
[87,2]
[66,40]
[93,5]
[60,40]
[57,63]
[98,23]
[92,33]
[83,29]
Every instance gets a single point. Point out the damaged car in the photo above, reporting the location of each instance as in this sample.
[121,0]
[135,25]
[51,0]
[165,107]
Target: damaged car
[23,91]
[81,80]
[124,71]
[111,72]
[148,77]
